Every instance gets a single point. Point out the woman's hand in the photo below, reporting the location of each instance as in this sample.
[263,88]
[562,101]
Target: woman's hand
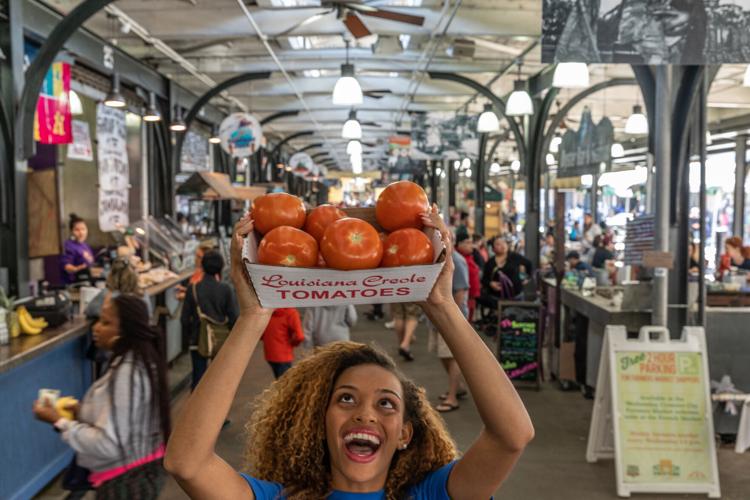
[45,412]
[246,296]
[442,291]
[495,285]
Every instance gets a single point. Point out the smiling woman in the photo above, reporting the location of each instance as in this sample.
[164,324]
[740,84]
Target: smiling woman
[344,423]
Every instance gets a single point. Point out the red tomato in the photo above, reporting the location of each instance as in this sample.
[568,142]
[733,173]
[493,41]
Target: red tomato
[319,219]
[288,246]
[407,247]
[278,209]
[350,243]
[400,204]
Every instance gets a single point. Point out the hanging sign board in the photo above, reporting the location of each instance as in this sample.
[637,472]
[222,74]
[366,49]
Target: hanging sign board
[698,32]
[53,117]
[241,135]
[112,150]
[587,150]
[653,414]
[80,148]
[518,341]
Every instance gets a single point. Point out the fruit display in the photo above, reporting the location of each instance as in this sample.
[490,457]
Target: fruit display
[407,247]
[278,209]
[327,237]
[351,243]
[400,205]
[288,246]
[30,325]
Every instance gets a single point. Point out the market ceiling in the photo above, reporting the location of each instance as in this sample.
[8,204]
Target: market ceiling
[474,38]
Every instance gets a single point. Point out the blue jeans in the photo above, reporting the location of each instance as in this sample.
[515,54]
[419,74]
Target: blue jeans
[200,365]
[279,368]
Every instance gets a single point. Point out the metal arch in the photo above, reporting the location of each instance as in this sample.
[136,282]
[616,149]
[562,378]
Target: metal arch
[276,116]
[24,125]
[615,82]
[203,100]
[277,148]
[310,146]
[647,82]
[538,137]
[497,103]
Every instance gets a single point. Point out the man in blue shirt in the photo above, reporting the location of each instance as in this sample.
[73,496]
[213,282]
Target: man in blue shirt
[576,264]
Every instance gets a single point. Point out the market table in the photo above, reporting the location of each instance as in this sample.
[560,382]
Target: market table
[32,452]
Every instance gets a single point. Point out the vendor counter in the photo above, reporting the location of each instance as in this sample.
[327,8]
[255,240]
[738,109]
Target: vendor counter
[586,318]
[32,453]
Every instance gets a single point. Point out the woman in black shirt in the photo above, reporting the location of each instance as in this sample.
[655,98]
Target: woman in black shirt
[511,264]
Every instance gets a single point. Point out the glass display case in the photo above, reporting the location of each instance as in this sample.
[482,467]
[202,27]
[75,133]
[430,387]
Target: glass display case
[165,244]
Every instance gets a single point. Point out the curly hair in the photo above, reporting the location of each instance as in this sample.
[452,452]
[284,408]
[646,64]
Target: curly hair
[287,435]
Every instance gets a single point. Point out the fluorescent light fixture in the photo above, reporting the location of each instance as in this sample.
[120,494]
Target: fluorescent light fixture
[637,123]
[347,91]
[554,145]
[393,74]
[312,73]
[152,113]
[571,75]
[587,180]
[354,147]
[114,98]
[515,165]
[76,107]
[519,103]
[356,164]
[178,124]
[352,129]
[298,42]
[488,121]
[617,151]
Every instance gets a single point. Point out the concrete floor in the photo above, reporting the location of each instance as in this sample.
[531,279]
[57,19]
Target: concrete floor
[553,466]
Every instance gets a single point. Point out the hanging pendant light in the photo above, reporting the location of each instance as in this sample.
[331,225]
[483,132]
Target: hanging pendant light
[152,113]
[352,129]
[554,146]
[114,98]
[519,103]
[76,107]
[617,151]
[354,147]
[571,75]
[178,124]
[215,139]
[356,161]
[488,121]
[347,91]
[637,123]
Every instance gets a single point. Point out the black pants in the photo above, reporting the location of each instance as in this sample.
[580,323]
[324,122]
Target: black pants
[200,365]
[279,368]
[581,325]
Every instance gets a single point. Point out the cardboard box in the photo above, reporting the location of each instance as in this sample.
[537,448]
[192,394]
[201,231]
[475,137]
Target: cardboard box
[312,287]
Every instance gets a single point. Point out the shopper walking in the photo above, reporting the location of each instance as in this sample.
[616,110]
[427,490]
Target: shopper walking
[344,423]
[323,325]
[465,247]
[281,336]
[456,389]
[406,318]
[122,279]
[208,304]
[119,430]
[512,265]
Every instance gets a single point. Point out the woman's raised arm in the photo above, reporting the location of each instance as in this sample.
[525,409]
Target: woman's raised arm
[507,426]
[191,457]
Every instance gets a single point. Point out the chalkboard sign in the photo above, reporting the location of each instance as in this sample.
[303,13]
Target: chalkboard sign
[518,341]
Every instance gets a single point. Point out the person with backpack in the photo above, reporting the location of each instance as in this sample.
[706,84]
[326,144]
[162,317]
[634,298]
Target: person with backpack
[208,314]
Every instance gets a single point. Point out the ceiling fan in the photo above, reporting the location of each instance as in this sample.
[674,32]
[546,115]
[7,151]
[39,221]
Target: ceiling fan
[348,12]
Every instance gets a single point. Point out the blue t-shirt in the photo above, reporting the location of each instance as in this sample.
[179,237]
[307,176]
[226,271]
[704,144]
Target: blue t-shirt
[433,487]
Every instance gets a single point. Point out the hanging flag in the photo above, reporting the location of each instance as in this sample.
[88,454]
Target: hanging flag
[52,124]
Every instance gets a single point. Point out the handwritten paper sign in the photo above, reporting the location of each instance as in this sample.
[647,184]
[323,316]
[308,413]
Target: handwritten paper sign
[80,148]
[518,341]
[111,134]
[113,210]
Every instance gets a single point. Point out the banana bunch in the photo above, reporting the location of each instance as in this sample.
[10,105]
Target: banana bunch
[30,325]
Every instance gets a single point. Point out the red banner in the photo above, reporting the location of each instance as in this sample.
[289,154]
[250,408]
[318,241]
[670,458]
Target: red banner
[52,124]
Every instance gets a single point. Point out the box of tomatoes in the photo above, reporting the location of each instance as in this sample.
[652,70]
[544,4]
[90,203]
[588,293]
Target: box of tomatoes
[331,256]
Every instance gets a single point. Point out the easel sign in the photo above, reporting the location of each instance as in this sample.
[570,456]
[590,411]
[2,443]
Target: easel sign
[518,347]
[652,413]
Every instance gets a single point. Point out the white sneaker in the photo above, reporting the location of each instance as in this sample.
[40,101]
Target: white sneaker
[390,324]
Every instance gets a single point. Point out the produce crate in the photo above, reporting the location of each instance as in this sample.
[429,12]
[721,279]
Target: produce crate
[312,287]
